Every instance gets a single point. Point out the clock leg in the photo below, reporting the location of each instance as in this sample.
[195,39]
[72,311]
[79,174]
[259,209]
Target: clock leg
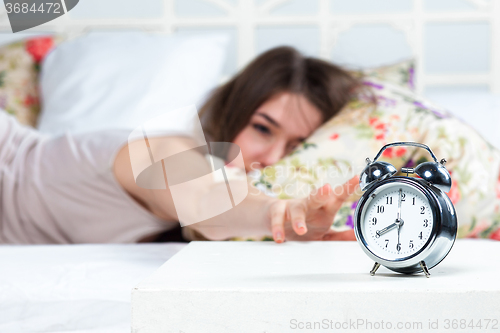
[425,269]
[374,269]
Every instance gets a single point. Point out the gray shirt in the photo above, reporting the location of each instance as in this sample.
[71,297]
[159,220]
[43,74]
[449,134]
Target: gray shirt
[63,189]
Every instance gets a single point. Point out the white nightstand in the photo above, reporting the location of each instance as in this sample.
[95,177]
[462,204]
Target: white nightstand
[267,287]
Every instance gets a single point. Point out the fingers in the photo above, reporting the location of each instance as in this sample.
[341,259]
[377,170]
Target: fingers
[348,188]
[341,193]
[296,215]
[320,198]
[297,211]
[277,212]
[332,199]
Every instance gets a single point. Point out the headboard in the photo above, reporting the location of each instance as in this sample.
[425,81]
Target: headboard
[454,42]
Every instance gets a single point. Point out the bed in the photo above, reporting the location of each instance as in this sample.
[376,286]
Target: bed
[74,288]
[87,288]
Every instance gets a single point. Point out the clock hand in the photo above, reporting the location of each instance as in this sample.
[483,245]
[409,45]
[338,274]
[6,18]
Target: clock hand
[399,220]
[399,205]
[389,228]
[399,231]
[386,229]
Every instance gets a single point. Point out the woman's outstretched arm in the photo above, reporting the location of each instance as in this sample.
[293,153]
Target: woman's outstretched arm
[257,214]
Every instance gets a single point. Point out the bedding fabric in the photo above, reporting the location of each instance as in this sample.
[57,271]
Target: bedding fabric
[401,73]
[337,151]
[477,106]
[19,69]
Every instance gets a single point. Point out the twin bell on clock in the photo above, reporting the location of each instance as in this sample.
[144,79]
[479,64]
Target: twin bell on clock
[407,224]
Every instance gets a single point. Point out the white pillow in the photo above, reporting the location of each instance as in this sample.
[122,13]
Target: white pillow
[122,79]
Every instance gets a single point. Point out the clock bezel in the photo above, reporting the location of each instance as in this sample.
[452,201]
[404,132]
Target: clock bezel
[415,258]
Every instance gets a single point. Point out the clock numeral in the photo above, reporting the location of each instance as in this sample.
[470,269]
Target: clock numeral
[422,210]
[413,201]
[374,221]
[386,242]
[403,197]
[380,209]
[411,245]
[420,235]
[426,223]
[389,201]
[398,247]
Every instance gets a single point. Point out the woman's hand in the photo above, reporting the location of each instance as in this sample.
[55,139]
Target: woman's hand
[312,217]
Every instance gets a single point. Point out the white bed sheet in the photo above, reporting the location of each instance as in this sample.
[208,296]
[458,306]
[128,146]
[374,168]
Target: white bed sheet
[74,288]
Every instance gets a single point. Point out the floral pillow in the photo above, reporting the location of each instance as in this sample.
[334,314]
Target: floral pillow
[400,74]
[19,68]
[337,151]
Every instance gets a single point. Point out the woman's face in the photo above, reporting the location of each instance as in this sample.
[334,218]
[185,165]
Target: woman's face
[278,126]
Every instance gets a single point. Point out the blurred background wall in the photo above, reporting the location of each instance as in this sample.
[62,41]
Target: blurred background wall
[455,42]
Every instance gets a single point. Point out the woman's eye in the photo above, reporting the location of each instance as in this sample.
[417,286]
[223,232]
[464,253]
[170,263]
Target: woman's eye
[291,148]
[261,128]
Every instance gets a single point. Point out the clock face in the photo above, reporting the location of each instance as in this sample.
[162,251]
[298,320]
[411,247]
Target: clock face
[397,222]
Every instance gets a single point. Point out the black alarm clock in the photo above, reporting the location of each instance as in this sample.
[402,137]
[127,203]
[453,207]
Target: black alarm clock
[407,224]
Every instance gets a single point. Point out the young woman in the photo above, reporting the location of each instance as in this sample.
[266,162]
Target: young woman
[73,189]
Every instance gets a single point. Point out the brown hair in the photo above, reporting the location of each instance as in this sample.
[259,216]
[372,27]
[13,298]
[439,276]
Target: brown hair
[283,69]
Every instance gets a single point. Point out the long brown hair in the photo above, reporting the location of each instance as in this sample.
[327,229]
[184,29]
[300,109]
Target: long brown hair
[283,69]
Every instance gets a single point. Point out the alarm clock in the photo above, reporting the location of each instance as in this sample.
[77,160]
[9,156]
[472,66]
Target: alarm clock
[407,224]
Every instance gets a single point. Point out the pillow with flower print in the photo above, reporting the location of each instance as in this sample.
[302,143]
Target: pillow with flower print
[338,149]
[19,68]
[400,74]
